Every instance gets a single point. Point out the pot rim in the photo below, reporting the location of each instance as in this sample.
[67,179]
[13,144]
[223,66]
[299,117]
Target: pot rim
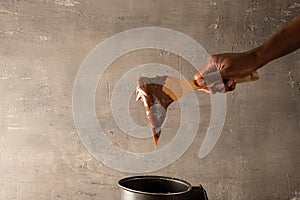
[124,180]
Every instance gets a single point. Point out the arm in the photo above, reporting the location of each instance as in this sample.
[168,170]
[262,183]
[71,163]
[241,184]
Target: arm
[238,65]
[280,44]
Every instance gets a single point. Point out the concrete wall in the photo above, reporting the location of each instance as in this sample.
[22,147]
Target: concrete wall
[44,42]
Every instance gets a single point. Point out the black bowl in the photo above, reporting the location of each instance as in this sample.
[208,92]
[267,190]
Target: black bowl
[154,187]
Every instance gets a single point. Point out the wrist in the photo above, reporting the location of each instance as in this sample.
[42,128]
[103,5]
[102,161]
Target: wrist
[259,57]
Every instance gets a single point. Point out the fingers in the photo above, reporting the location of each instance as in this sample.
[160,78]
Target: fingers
[220,85]
[206,90]
[209,67]
[230,85]
[197,76]
[199,80]
[213,76]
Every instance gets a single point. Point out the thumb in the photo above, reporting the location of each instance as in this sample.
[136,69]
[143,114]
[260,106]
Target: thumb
[198,76]
[199,80]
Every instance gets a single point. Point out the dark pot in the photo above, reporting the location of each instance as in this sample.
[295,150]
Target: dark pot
[159,188]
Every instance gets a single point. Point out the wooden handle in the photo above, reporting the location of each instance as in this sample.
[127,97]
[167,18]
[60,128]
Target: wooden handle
[252,77]
[176,87]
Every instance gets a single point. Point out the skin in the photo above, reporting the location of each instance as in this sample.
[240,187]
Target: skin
[234,66]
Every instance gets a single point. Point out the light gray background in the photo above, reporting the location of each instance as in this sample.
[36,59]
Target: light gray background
[42,45]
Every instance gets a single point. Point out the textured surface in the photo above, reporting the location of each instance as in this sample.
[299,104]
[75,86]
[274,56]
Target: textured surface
[42,45]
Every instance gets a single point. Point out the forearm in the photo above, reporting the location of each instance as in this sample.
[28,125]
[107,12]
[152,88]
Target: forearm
[280,44]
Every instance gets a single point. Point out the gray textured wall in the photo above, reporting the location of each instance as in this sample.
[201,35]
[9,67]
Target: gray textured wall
[44,42]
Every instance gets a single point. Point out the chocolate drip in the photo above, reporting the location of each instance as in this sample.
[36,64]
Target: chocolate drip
[156,101]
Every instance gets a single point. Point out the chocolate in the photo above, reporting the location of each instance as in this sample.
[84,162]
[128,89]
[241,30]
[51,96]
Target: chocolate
[151,92]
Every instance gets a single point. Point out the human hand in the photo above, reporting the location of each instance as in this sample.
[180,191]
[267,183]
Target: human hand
[222,70]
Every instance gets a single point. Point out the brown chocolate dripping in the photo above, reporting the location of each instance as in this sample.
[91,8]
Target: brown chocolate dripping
[156,101]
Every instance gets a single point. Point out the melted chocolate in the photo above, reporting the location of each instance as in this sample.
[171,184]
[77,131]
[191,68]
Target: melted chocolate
[156,101]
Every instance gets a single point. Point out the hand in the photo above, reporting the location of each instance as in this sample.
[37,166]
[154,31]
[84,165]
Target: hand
[229,66]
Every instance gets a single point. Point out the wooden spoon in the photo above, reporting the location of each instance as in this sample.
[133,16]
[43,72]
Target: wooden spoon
[159,92]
